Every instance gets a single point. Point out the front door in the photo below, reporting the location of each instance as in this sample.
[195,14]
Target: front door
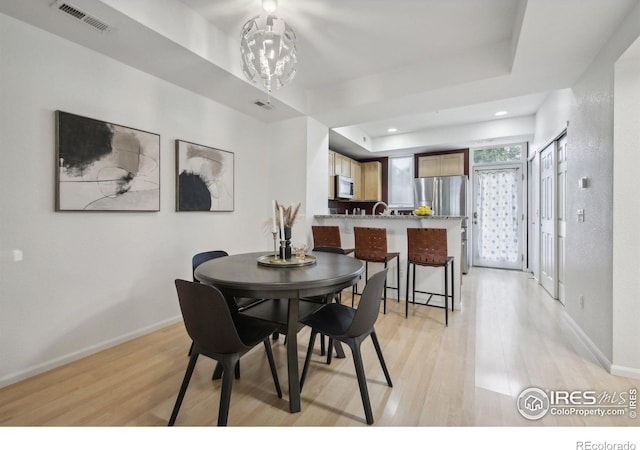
[498,216]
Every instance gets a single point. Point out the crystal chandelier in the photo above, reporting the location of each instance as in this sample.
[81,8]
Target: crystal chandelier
[268,49]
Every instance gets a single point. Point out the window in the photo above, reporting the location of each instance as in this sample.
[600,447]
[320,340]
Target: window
[401,182]
[494,155]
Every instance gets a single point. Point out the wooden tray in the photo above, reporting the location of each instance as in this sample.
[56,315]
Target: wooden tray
[271,261]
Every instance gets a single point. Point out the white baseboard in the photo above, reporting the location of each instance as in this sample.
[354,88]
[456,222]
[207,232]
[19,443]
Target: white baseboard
[622,371]
[602,359]
[74,356]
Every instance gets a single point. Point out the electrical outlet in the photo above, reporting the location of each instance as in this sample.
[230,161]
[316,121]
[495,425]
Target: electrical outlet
[581,301]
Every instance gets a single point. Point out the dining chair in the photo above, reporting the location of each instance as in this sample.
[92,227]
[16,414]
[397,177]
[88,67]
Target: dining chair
[218,335]
[427,247]
[335,296]
[242,303]
[351,326]
[328,236]
[371,246]
[238,304]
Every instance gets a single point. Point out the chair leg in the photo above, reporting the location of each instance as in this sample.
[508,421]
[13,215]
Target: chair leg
[307,360]
[191,349]
[330,353]
[228,363]
[217,372]
[272,365]
[362,380]
[376,344]
[183,388]
[322,346]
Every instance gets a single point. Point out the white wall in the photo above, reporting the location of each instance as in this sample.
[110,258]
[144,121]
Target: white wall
[90,280]
[589,107]
[626,214]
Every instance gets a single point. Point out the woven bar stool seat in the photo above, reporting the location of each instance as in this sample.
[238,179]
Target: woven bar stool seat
[328,236]
[371,247]
[427,247]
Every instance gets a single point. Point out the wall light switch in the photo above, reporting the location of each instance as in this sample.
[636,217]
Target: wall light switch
[583,183]
[580,215]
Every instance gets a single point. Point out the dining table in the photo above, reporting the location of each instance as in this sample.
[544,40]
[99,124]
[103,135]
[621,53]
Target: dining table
[247,275]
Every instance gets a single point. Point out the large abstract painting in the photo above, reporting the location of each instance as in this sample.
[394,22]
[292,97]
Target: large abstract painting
[205,178]
[105,167]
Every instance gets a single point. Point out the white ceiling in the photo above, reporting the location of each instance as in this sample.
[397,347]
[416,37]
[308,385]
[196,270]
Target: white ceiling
[437,70]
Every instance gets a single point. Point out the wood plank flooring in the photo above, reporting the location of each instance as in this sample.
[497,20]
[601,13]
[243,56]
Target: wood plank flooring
[509,335]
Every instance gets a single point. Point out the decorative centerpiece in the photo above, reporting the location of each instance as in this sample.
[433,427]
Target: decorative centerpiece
[282,221]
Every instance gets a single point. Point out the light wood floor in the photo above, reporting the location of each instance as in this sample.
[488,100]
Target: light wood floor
[509,335]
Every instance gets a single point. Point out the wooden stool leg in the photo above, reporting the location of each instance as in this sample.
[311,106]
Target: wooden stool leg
[406,293]
[384,306]
[446,295]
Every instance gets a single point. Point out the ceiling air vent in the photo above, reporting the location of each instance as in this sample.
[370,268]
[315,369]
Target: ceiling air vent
[263,105]
[77,14]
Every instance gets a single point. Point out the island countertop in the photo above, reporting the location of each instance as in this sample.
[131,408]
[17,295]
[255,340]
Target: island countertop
[386,217]
[396,226]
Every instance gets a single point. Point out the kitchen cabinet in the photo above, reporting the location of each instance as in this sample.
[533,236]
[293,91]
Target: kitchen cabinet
[371,174]
[441,165]
[341,165]
[356,175]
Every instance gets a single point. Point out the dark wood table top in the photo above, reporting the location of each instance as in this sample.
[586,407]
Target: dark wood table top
[243,276]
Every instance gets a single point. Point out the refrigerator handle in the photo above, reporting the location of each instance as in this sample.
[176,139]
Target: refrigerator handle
[440,196]
[434,198]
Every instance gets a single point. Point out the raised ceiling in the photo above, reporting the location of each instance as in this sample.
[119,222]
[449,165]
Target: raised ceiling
[437,70]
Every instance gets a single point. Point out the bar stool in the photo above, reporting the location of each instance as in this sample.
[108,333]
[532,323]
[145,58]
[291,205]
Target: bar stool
[371,246]
[427,247]
[328,236]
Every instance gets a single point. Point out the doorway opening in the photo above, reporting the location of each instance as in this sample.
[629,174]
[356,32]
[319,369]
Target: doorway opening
[497,210]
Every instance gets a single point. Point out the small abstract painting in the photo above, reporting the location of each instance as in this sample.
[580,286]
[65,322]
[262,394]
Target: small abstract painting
[105,167]
[205,178]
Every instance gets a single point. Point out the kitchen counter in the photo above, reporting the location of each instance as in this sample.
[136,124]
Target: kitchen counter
[386,217]
[428,279]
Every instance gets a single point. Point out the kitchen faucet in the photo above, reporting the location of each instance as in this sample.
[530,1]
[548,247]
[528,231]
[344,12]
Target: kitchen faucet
[373,210]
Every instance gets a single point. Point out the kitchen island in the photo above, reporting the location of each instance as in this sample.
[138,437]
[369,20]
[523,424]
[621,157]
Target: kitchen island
[427,278]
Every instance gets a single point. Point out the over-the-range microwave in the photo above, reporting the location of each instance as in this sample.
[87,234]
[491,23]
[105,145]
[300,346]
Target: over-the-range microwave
[344,187]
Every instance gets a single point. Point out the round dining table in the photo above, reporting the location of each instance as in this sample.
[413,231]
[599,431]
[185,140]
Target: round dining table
[243,276]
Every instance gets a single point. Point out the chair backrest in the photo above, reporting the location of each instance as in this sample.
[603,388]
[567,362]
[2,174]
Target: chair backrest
[337,250]
[207,318]
[371,243]
[199,258]
[369,306]
[326,236]
[427,245]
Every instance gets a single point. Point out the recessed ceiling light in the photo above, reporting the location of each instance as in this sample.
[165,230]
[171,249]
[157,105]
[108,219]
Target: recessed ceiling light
[500,113]
[392,130]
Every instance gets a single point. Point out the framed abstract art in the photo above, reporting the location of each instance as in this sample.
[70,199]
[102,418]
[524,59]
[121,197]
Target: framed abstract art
[102,166]
[205,178]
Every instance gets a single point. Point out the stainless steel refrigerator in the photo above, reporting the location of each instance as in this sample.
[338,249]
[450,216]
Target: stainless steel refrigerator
[447,196]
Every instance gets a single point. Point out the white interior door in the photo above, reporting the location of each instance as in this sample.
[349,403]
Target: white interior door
[548,232]
[562,215]
[497,217]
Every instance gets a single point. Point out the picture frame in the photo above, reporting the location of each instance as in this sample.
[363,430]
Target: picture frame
[102,166]
[205,178]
